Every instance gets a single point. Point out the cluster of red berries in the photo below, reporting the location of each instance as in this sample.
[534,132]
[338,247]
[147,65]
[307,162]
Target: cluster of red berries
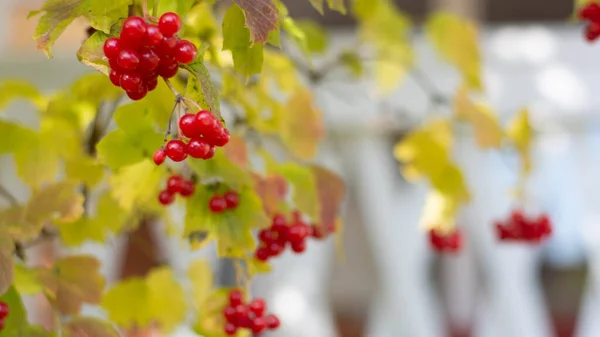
[520,228]
[220,203]
[591,13]
[205,133]
[247,316]
[274,239]
[176,184]
[144,51]
[446,242]
[4,311]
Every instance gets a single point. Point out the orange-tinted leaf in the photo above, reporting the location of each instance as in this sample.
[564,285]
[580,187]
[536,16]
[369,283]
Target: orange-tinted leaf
[88,327]
[236,151]
[261,18]
[331,190]
[272,189]
[303,125]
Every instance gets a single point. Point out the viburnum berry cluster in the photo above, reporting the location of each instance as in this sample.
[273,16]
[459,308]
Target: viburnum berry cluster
[446,242]
[204,133]
[591,14]
[220,203]
[521,228]
[274,239]
[176,185]
[4,311]
[247,316]
[144,51]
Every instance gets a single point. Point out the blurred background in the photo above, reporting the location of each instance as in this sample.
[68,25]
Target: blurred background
[388,282]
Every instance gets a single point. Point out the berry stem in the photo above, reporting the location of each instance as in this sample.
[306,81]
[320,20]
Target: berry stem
[169,122]
[178,96]
[8,196]
[193,103]
[145,9]
[178,118]
[155,9]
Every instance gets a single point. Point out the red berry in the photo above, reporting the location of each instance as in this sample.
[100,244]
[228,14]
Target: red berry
[590,12]
[222,138]
[187,189]
[232,199]
[230,329]
[272,322]
[258,307]
[262,254]
[168,70]
[319,232]
[275,248]
[299,246]
[166,197]
[208,124]
[259,324]
[112,47]
[139,94]
[185,52]
[176,150]
[128,59]
[217,204]
[169,24]
[592,31]
[131,81]
[168,46]
[198,148]
[229,314]
[133,31]
[211,153]
[151,83]
[159,156]
[236,298]
[279,220]
[297,232]
[282,231]
[267,236]
[148,60]
[115,77]
[153,36]
[114,64]
[175,184]
[4,310]
[188,126]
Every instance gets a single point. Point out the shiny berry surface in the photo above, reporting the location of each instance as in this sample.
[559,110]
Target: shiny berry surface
[176,150]
[169,24]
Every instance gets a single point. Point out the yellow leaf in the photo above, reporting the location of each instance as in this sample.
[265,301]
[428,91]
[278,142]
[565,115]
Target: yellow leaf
[272,189]
[303,125]
[488,132]
[201,276]
[27,281]
[304,187]
[331,190]
[59,201]
[281,70]
[455,39]
[211,321]
[88,327]
[85,169]
[137,185]
[220,166]
[317,39]
[6,263]
[73,281]
[167,301]
[16,89]
[439,211]
[127,303]
[521,133]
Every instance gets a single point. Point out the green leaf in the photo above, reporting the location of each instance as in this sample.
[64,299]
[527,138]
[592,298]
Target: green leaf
[261,18]
[318,5]
[58,14]
[201,276]
[11,90]
[85,169]
[88,327]
[135,140]
[247,57]
[304,184]
[17,319]
[91,52]
[316,37]
[137,302]
[352,61]
[232,229]
[222,168]
[337,5]
[126,184]
[181,7]
[73,281]
[27,281]
[296,33]
[201,88]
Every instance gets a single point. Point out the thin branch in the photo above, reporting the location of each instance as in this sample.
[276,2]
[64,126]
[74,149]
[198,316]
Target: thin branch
[173,90]
[155,9]
[8,196]
[169,123]
[145,9]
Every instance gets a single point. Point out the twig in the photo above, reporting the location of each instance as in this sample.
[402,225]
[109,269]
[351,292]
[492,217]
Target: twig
[155,9]
[170,85]
[423,81]
[177,100]
[193,102]
[145,9]
[8,196]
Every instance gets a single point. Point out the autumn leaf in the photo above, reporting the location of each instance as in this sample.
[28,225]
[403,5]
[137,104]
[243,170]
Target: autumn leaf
[27,281]
[272,189]
[11,90]
[211,319]
[302,125]
[7,247]
[521,133]
[488,132]
[222,168]
[88,327]
[456,39]
[236,151]
[331,190]
[60,201]
[247,56]
[127,181]
[91,53]
[304,187]
[261,18]
[73,281]
[201,276]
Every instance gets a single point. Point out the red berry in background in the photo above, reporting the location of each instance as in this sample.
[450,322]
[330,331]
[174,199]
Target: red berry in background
[592,31]
[148,60]
[590,12]
[128,59]
[153,36]
[169,24]
[187,189]
[188,126]
[133,30]
[185,51]
[198,148]
[131,81]
[151,84]
[272,322]
[4,310]
[297,232]
[139,94]
[279,220]
[299,246]
[230,329]
[217,204]
[112,47]
[230,314]
[319,232]
[232,199]
[115,78]
[223,138]
[159,156]
[268,236]
[166,198]
[167,47]
[258,306]
[211,153]
[175,184]
[275,248]
[176,150]
[236,298]
[262,254]
[259,324]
